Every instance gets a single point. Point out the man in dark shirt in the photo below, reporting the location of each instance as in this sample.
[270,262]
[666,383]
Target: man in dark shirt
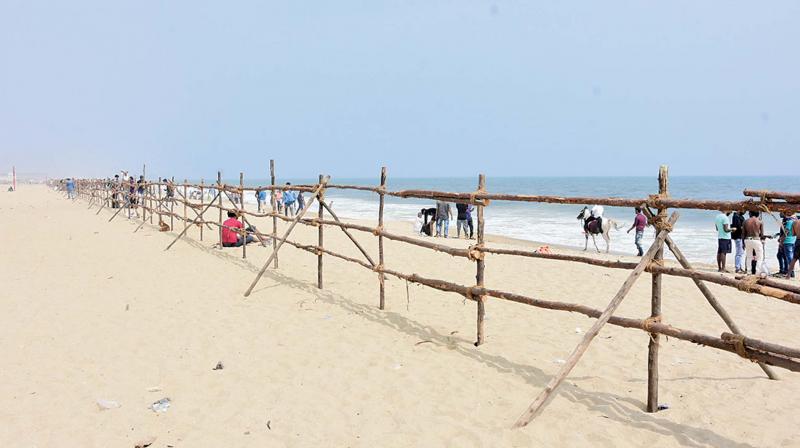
[461,220]
[737,224]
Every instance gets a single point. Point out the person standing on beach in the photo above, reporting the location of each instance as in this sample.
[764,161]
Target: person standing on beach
[443,215]
[288,200]
[723,226]
[789,242]
[461,220]
[796,254]
[261,198]
[753,247]
[301,201]
[639,223]
[279,200]
[470,207]
[70,188]
[737,224]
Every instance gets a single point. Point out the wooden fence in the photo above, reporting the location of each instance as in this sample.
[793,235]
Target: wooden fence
[171,201]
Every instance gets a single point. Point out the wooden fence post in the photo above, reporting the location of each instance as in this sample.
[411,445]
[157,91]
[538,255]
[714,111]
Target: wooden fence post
[479,279]
[241,213]
[202,205]
[158,201]
[172,205]
[381,276]
[141,200]
[219,195]
[273,200]
[320,199]
[185,200]
[655,304]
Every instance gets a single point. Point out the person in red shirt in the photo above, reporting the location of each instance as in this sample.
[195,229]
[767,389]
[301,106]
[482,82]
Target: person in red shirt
[230,236]
[639,223]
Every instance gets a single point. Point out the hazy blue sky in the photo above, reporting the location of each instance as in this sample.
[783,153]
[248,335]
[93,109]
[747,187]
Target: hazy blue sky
[426,87]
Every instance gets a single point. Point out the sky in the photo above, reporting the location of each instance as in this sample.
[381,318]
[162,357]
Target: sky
[424,87]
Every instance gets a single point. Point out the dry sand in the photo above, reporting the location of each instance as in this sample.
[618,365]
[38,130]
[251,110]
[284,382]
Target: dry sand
[91,310]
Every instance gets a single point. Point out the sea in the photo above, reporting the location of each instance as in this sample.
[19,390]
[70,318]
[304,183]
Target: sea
[556,224]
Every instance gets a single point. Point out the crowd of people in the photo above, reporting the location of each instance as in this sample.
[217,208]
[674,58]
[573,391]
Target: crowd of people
[746,234]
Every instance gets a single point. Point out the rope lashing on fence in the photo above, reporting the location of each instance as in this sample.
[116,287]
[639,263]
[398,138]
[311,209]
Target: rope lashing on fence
[749,283]
[377,230]
[737,340]
[647,324]
[474,252]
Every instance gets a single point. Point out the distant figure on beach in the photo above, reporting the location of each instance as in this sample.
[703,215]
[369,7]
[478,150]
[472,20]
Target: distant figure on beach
[116,187]
[737,226]
[301,201]
[461,220]
[279,200]
[470,208]
[639,223]
[261,198]
[796,254]
[70,184]
[443,216]
[789,238]
[170,188]
[140,186]
[232,237]
[753,234]
[723,226]
[132,200]
[428,217]
[288,200]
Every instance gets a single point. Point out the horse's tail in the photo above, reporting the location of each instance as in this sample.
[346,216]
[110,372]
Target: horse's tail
[617,226]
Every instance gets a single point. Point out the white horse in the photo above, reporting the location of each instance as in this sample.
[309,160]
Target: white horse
[590,227]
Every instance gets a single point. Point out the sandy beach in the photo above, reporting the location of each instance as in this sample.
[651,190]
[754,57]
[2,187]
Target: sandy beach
[93,311]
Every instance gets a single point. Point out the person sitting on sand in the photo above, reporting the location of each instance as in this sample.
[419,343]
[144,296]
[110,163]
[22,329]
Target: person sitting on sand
[230,236]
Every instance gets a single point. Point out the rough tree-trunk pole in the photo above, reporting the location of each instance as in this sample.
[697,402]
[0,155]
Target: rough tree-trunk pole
[286,234]
[185,200]
[381,276]
[199,217]
[202,203]
[655,306]
[549,391]
[712,300]
[219,195]
[172,205]
[241,212]
[274,202]
[142,200]
[320,201]
[480,267]
[159,203]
